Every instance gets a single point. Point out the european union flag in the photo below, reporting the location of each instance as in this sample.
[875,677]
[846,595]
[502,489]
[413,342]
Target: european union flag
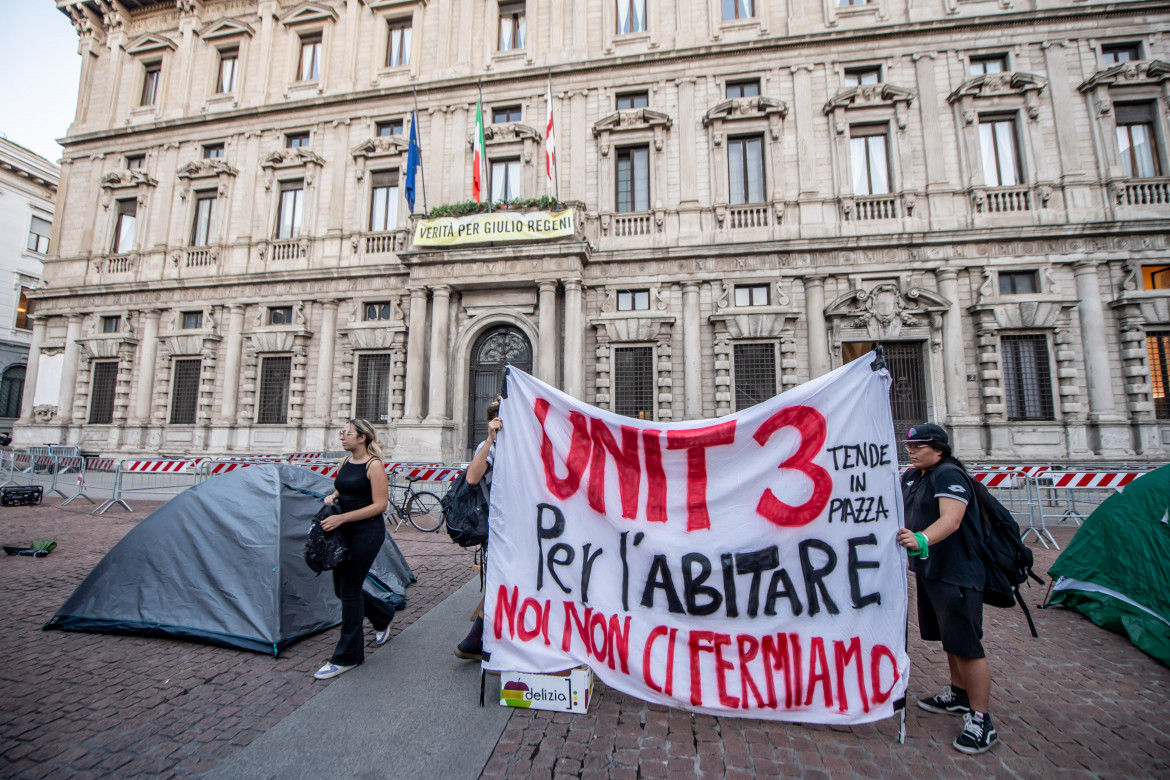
[413,160]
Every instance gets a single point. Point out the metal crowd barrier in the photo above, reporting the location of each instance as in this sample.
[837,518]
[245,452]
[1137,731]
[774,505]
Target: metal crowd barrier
[180,473]
[1014,489]
[1066,495]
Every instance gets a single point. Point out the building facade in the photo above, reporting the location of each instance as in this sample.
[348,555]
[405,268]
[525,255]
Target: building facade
[28,187]
[763,190]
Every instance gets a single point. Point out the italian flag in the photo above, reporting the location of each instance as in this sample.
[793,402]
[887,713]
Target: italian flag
[478,156]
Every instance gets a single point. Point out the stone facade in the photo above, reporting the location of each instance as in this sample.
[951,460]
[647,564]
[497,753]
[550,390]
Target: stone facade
[758,200]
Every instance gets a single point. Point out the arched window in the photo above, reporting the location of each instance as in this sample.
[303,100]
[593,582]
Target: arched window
[499,345]
[11,391]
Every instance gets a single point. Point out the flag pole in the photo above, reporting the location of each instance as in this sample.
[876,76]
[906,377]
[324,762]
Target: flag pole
[421,167]
[483,179]
[556,171]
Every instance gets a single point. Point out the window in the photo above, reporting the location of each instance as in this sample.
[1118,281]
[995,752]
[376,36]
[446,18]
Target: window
[22,310]
[288,217]
[631,16]
[272,407]
[112,324]
[228,60]
[185,391]
[296,140]
[101,392]
[280,315]
[212,151]
[192,320]
[150,83]
[997,142]
[994,63]
[505,180]
[869,160]
[1156,277]
[204,222]
[856,77]
[124,226]
[38,235]
[755,374]
[398,45]
[633,178]
[372,395]
[633,300]
[388,128]
[848,3]
[630,100]
[309,68]
[1113,53]
[505,114]
[1135,139]
[511,26]
[633,382]
[384,201]
[742,89]
[738,9]
[135,162]
[378,311]
[1018,283]
[1026,377]
[745,169]
[1158,346]
[11,391]
[751,295]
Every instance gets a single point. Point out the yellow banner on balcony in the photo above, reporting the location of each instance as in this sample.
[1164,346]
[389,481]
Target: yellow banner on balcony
[497,226]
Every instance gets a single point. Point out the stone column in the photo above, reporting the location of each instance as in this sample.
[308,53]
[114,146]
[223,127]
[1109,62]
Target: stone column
[30,371]
[440,308]
[147,356]
[818,342]
[692,353]
[546,349]
[954,359]
[323,406]
[574,339]
[69,369]
[1092,317]
[416,338]
[231,362]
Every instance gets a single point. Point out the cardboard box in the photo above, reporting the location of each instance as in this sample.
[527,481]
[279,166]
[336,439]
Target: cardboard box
[564,692]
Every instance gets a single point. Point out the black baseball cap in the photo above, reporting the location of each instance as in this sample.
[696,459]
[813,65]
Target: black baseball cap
[928,433]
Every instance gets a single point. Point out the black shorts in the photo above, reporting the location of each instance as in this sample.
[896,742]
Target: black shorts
[952,615]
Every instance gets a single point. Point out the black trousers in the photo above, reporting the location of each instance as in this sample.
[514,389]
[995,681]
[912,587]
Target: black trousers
[364,539]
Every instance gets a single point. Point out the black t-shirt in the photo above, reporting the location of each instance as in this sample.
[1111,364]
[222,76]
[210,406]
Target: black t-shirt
[956,559]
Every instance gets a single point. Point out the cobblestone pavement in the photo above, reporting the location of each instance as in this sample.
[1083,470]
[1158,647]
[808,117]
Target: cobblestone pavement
[1077,702]
[96,705]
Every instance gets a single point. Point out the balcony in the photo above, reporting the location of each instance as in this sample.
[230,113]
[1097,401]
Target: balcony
[289,249]
[1141,192]
[628,225]
[1003,200]
[199,257]
[386,243]
[118,264]
[872,207]
[748,217]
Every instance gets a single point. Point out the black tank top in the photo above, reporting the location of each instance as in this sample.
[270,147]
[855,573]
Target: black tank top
[353,486]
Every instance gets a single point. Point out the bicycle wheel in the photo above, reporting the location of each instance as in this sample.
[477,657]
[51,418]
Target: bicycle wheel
[425,512]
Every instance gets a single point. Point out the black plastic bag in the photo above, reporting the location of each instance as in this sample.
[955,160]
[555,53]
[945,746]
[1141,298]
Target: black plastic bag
[324,550]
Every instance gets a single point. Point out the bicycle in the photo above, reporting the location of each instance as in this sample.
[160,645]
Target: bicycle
[423,509]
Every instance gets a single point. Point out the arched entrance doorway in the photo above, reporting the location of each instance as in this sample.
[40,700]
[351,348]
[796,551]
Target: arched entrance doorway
[497,346]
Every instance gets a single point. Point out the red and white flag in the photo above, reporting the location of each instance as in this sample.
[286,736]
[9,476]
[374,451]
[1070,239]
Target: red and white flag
[550,145]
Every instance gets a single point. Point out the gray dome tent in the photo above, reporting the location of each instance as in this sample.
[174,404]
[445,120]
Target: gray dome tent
[223,563]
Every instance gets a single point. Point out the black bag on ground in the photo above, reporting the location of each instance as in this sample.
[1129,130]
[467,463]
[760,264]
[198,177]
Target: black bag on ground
[325,549]
[1009,560]
[465,511]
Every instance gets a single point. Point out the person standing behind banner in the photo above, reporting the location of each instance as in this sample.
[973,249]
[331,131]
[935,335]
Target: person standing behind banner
[943,540]
[479,472]
[361,491]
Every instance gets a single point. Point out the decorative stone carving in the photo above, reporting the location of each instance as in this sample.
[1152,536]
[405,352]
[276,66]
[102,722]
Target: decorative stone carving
[631,120]
[1027,85]
[1134,72]
[771,109]
[868,96]
[886,313]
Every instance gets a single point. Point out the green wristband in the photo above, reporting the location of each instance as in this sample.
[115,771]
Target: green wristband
[923,545]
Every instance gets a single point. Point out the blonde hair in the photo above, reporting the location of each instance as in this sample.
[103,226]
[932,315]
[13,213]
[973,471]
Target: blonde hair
[364,428]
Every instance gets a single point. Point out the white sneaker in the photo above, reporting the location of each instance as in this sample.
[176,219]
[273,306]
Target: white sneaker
[331,670]
[381,637]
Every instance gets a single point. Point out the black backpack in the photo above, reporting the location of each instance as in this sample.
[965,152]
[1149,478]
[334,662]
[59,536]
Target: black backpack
[465,511]
[1008,559]
[324,550]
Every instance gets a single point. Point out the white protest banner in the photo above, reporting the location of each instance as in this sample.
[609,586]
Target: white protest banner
[739,566]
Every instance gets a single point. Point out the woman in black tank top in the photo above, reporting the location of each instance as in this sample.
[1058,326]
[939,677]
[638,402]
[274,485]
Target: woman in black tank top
[361,493]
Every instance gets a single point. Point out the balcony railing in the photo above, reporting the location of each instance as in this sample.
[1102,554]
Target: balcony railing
[632,225]
[874,207]
[1143,192]
[747,217]
[119,264]
[1004,200]
[288,249]
[199,258]
[386,243]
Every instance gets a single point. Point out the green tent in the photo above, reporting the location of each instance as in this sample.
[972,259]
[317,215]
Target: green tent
[1115,570]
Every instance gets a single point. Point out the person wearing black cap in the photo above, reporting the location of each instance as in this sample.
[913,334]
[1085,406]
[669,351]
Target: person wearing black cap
[943,541]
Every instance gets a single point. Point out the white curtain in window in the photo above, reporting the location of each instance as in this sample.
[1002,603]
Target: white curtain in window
[641,159]
[755,170]
[735,172]
[499,180]
[638,11]
[1137,149]
[125,240]
[384,210]
[520,32]
[623,16]
[290,213]
[869,162]
[204,221]
[997,141]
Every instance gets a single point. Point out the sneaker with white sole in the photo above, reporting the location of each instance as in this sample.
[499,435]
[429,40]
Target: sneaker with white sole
[978,734]
[331,670]
[381,636]
[950,702]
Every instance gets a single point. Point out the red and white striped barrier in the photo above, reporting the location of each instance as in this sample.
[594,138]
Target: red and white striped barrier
[1031,471]
[101,464]
[1093,479]
[154,466]
[996,479]
[430,474]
